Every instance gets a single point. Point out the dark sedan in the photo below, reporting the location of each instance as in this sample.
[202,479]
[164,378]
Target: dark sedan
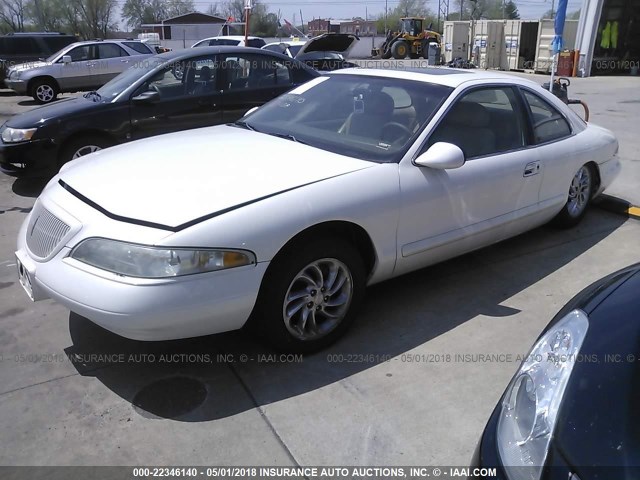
[572,411]
[166,93]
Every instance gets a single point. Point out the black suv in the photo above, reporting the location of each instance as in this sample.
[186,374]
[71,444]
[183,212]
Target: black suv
[18,48]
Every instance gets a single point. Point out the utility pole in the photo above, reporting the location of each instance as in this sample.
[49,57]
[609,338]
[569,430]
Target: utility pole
[302,22]
[553,7]
[461,8]
[247,14]
[386,12]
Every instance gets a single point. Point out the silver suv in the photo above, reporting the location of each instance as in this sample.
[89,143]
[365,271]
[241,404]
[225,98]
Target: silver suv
[79,66]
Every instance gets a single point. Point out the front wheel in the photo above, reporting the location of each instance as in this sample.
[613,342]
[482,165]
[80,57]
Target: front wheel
[44,91]
[310,295]
[81,146]
[580,193]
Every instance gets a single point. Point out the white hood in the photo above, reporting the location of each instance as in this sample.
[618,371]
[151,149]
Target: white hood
[173,179]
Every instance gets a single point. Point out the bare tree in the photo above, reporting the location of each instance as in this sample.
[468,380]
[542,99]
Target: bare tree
[12,15]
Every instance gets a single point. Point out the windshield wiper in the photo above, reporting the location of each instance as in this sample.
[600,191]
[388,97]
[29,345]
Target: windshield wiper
[93,94]
[244,124]
[288,136]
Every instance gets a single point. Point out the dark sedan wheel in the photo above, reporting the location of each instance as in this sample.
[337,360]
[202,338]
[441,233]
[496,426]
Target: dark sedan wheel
[82,146]
[44,91]
[310,295]
[580,193]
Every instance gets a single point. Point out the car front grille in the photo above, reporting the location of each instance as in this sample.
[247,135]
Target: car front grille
[45,232]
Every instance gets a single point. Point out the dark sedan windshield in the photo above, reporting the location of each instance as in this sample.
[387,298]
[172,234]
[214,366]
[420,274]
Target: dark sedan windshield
[366,117]
[127,78]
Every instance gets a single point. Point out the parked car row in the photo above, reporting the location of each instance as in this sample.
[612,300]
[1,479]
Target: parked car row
[161,94]
[18,48]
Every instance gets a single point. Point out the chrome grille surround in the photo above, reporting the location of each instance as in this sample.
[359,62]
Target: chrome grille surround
[45,232]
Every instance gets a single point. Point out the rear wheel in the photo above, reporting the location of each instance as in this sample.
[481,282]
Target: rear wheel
[399,50]
[580,193]
[44,91]
[310,295]
[81,146]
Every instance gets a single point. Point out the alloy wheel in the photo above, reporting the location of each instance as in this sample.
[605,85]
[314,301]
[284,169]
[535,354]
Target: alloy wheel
[85,150]
[318,299]
[45,93]
[579,192]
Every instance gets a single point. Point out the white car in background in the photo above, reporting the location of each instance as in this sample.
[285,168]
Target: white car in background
[230,41]
[283,218]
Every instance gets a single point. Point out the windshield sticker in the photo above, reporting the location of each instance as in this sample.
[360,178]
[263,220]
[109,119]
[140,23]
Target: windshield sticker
[309,85]
[383,146]
[358,104]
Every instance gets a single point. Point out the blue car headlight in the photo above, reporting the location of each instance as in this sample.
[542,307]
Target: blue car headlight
[530,405]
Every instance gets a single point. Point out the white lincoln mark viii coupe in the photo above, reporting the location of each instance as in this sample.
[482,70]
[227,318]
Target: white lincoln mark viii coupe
[280,220]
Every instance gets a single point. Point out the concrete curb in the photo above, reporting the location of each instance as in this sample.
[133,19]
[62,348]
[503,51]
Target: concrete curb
[619,206]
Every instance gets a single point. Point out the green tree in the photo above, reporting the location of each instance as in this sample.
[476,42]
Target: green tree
[511,10]
[406,8]
[45,15]
[138,12]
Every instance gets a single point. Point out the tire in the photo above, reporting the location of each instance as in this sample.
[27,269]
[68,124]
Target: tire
[44,91]
[580,193]
[399,50]
[82,145]
[288,325]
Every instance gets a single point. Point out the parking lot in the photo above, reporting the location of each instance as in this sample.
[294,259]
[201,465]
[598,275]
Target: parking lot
[412,383]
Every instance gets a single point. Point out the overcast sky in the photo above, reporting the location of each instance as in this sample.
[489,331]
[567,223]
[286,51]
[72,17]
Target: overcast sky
[338,9]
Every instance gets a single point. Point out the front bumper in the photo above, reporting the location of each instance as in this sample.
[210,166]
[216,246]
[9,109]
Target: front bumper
[28,159]
[18,86]
[139,309]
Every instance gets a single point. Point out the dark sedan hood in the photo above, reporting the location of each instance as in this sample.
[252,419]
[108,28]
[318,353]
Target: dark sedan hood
[330,42]
[599,421]
[59,109]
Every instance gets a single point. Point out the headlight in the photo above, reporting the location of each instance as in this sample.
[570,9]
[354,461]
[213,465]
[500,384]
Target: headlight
[14,135]
[531,403]
[14,74]
[156,262]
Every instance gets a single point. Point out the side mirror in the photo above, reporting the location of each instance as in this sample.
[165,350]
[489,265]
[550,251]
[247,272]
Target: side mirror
[150,96]
[442,156]
[66,59]
[251,111]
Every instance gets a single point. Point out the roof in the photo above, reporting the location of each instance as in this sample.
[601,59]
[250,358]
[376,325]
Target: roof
[451,77]
[189,52]
[239,38]
[193,18]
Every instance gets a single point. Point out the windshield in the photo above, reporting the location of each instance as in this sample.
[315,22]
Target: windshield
[369,118]
[52,57]
[127,78]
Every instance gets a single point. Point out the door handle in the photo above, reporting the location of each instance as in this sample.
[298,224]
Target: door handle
[124,61]
[532,168]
